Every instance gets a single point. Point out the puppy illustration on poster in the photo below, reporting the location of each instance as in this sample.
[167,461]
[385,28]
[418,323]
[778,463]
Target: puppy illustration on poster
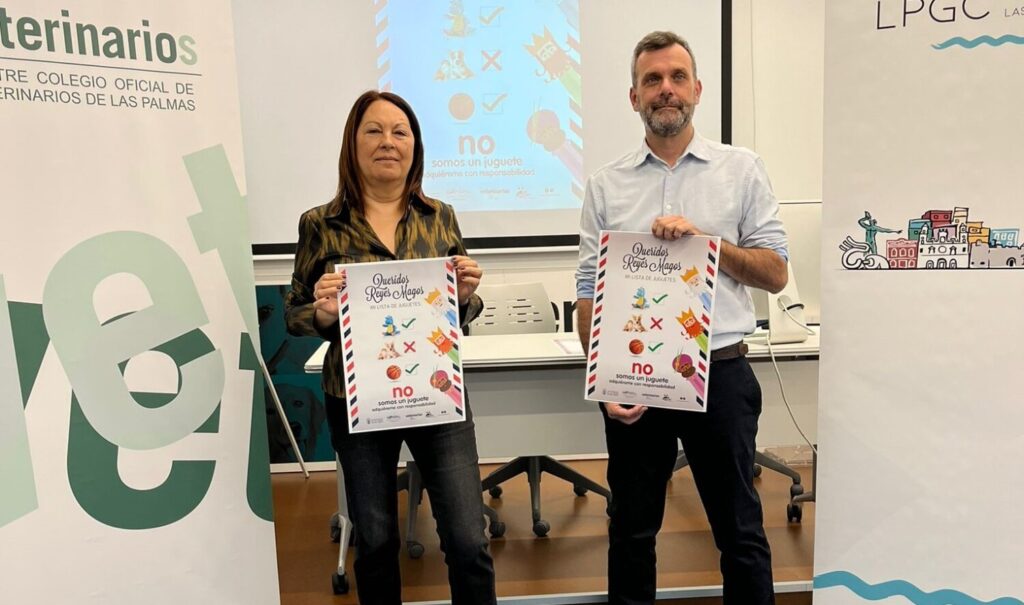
[399,323]
[651,329]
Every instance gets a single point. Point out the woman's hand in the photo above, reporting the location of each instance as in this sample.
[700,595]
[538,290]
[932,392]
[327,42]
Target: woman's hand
[624,414]
[325,297]
[467,277]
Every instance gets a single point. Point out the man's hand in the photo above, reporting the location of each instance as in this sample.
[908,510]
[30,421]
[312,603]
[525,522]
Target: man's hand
[624,414]
[755,267]
[673,227]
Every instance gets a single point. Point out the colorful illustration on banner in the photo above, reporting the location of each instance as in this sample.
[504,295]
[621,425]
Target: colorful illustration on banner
[393,373]
[938,239]
[440,380]
[461,106]
[458,26]
[556,64]
[545,129]
[387,351]
[453,67]
[437,304]
[635,324]
[692,328]
[390,329]
[640,299]
[683,364]
[636,347]
[443,346]
[692,279]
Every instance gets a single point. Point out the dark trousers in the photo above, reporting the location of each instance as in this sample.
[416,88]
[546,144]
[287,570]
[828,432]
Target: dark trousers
[447,458]
[719,445]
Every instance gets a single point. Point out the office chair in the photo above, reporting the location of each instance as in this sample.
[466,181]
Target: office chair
[793,511]
[411,480]
[525,309]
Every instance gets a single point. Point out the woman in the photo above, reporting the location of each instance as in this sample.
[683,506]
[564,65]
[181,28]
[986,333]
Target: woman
[380,213]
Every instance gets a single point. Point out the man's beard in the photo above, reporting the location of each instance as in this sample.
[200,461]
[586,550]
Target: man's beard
[668,124]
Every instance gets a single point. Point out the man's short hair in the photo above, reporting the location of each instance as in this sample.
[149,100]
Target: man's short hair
[656,41]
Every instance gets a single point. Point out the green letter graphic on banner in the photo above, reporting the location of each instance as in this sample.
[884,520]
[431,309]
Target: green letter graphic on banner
[90,352]
[257,485]
[92,460]
[223,226]
[19,490]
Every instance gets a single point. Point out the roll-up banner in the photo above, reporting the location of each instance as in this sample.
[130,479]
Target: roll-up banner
[133,458]
[921,407]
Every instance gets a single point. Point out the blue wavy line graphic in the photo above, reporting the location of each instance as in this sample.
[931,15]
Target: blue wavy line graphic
[902,588]
[986,39]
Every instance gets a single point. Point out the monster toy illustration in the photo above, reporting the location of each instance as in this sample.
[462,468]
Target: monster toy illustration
[640,299]
[390,329]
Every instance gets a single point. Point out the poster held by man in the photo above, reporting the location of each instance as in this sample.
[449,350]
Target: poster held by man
[651,332]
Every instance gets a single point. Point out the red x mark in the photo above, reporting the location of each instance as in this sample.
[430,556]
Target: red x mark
[410,346]
[656,323]
[490,60]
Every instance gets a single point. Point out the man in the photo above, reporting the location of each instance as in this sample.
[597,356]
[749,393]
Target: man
[680,184]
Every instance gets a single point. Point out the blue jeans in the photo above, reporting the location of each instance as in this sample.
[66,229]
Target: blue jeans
[447,458]
[719,446]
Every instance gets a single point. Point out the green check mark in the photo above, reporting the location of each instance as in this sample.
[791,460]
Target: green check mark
[655,347]
[497,101]
[412,369]
[658,299]
[487,19]
[406,324]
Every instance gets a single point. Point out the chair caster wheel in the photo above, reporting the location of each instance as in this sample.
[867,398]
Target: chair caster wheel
[497,529]
[541,528]
[794,512]
[336,528]
[579,490]
[495,491]
[339,583]
[757,470]
[795,490]
[415,550]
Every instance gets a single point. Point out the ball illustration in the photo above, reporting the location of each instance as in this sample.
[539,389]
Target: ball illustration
[684,365]
[636,346]
[461,106]
[394,372]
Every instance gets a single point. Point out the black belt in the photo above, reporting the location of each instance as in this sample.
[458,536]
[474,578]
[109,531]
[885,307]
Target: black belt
[730,352]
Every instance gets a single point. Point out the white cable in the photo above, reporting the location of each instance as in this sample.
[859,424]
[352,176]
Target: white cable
[782,388]
[797,321]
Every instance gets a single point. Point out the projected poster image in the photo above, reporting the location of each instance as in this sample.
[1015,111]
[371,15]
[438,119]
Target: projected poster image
[498,91]
[518,102]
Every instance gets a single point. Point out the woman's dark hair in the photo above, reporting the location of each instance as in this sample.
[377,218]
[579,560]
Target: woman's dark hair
[350,190]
